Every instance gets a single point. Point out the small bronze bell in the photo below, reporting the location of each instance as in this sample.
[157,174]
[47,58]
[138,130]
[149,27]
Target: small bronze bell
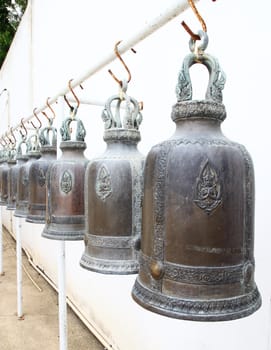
[33,154]
[37,176]
[114,186]
[11,194]
[196,257]
[65,214]
[4,177]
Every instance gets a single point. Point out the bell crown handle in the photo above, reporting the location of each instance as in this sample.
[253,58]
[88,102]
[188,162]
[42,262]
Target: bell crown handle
[66,131]
[44,136]
[217,77]
[132,116]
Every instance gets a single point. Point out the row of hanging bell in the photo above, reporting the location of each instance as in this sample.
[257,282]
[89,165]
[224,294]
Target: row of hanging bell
[196,259]
[113,187]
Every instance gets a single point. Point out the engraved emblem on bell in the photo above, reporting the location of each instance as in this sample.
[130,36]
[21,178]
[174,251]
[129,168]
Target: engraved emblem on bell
[24,177]
[103,183]
[208,189]
[66,182]
[196,260]
[41,177]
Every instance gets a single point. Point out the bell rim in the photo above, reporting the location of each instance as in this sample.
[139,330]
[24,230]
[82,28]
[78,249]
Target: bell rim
[154,301]
[109,266]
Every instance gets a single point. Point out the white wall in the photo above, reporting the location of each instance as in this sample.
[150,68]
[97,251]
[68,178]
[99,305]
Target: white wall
[59,40]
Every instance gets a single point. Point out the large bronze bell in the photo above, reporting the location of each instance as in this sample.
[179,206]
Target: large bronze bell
[114,187]
[197,258]
[37,176]
[22,199]
[65,213]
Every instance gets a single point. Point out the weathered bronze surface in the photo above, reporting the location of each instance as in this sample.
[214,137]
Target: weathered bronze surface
[4,169]
[196,258]
[11,179]
[37,176]
[22,199]
[65,214]
[113,199]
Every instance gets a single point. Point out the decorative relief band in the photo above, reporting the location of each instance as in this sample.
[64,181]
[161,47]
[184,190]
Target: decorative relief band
[221,309]
[110,241]
[109,266]
[196,275]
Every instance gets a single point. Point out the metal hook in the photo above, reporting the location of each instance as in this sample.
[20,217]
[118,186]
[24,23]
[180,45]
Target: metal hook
[10,142]
[2,139]
[123,63]
[199,17]
[23,128]
[50,120]
[14,138]
[74,95]
[40,124]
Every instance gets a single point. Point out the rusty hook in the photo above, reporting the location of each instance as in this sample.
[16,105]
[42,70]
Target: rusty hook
[123,63]
[50,120]
[199,17]
[74,95]
[40,124]
[22,127]
[13,142]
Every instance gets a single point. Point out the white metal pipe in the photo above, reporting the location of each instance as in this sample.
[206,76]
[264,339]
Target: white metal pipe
[168,14]
[62,306]
[1,244]
[19,268]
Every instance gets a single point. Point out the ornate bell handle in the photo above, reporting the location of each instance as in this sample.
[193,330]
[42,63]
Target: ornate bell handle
[131,119]
[19,148]
[33,143]
[44,136]
[65,130]
[217,77]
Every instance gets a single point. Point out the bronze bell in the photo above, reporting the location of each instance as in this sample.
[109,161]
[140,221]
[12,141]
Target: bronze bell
[114,186]
[196,257]
[12,185]
[65,219]
[37,176]
[4,169]
[33,154]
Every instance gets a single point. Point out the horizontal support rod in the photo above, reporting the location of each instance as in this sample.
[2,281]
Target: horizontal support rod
[171,12]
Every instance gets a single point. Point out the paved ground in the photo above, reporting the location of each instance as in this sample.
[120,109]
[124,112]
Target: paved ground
[39,329]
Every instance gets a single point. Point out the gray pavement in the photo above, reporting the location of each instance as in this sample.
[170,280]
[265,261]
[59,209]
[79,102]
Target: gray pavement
[39,328]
